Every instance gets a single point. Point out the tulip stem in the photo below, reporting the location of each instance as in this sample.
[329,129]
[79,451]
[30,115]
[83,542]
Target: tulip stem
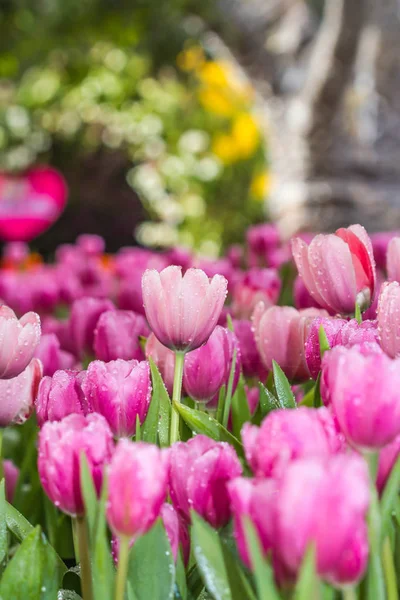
[176,397]
[123,556]
[349,593]
[1,454]
[389,570]
[83,548]
[375,577]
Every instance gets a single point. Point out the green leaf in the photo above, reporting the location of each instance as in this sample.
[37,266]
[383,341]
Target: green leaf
[150,426]
[194,583]
[138,434]
[32,574]
[262,570]
[156,425]
[181,577]
[282,386]
[239,585]
[229,389]
[3,527]
[151,570]
[240,408]
[89,495]
[389,498]
[210,560]
[323,341]
[221,404]
[317,392]
[200,422]
[102,562]
[268,402]
[307,585]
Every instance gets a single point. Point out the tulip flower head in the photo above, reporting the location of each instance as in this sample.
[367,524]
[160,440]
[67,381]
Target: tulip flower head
[18,341]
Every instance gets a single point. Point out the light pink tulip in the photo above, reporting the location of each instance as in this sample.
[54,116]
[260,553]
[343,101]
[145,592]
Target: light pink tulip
[181,310]
[18,341]
[388,316]
[164,358]
[59,396]
[18,394]
[117,335]
[338,269]
[61,444]
[137,487]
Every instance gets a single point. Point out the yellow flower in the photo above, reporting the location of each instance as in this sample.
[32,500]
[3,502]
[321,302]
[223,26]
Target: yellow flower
[260,185]
[215,74]
[190,59]
[223,146]
[217,102]
[246,134]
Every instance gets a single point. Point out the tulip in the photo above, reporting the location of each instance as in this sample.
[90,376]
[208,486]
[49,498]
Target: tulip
[61,444]
[261,240]
[51,356]
[366,407]
[18,394]
[280,333]
[85,313]
[91,245]
[288,435]
[18,341]
[181,310]
[59,396]
[301,296]
[388,457]
[208,368]
[380,245]
[117,335]
[251,361]
[255,286]
[120,390]
[137,484]
[388,316]
[11,475]
[393,259]
[164,358]
[199,472]
[338,269]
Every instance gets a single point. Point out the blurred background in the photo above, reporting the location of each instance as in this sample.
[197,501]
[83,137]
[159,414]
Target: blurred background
[185,121]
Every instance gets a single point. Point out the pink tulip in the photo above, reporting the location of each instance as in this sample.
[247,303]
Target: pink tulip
[11,475]
[288,435]
[388,316]
[59,396]
[366,407]
[181,310]
[393,259]
[117,335]
[52,357]
[280,333]
[380,242]
[199,472]
[388,457]
[235,255]
[208,368]
[18,341]
[261,240]
[338,269]
[83,319]
[18,394]
[164,358]
[301,296]
[91,245]
[256,285]
[137,484]
[61,445]
[120,390]
[251,360]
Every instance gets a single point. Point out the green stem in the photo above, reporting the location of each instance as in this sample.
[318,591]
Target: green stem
[228,397]
[122,570]
[1,454]
[349,593]
[375,577]
[176,397]
[83,548]
[357,313]
[389,570]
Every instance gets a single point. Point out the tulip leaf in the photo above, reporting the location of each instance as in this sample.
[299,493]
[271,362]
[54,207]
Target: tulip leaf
[89,495]
[156,426]
[229,389]
[282,386]
[151,569]
[181,576]
[307,585]
[268,402]
[3,527]
[239,585]
[323,341]
[389,497]
[240,408]
[195,583]
[317,392]
[102,563]
[210,560]
[200,422]
[32,573]
[261,568]
[138,433]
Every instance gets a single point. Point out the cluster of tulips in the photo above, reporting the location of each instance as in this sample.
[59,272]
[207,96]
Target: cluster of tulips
[205,437]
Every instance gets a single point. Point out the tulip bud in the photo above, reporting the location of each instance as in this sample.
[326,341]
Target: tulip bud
[85,313]
[59,396]
[199,472]
[338,269]
[137,484]
[164,358]
[251,361]
[18,341]
[61,445]
[18,394]
[256,285]
[51,356]
[388,316]
[117,335]
[181,310]
[208,368]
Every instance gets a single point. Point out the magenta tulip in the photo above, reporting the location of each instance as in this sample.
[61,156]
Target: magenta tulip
[61,444]
[338,269]
[181,310]
[199,472]
[380,243]
[83,319]
[117,335]
[256,285]
[59,396]
[137,487]
[18,394]
[388,316]
[51,356]
[388,457]
[18,341]
[164,358]
[262,240]
[120,390]
[393,259]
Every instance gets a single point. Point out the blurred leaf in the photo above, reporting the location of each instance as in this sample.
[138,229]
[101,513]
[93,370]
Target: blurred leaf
[317,392]
[89,495]
[195,583]
[138,434]
[181,576]
[151,570]
[239,585]
[323,341]
[3,527]
[102,562]
[203,423]
[282,387]
[389,498]
[210,560]
[261,568]
[221,404]
[229,389]
[307,582]
[158,416]
[240,408]
[72,580]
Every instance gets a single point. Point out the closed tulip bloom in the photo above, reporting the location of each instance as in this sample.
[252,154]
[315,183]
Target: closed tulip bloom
[288,435]
[164,358]
[338,269]
[388,317]
[117,335]
[59,396]
[366,407]
[61,444]
[393,259]
[280,333]
[199,472]
[387,459]
[51,355]
[252,364]
[18,341]
[120,390]
[85,313]
[18,394]
[301,296]
[256,285]
[181,310]
[208,368]
[137,484]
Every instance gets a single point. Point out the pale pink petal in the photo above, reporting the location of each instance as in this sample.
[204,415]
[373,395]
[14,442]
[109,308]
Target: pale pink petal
[300,252]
